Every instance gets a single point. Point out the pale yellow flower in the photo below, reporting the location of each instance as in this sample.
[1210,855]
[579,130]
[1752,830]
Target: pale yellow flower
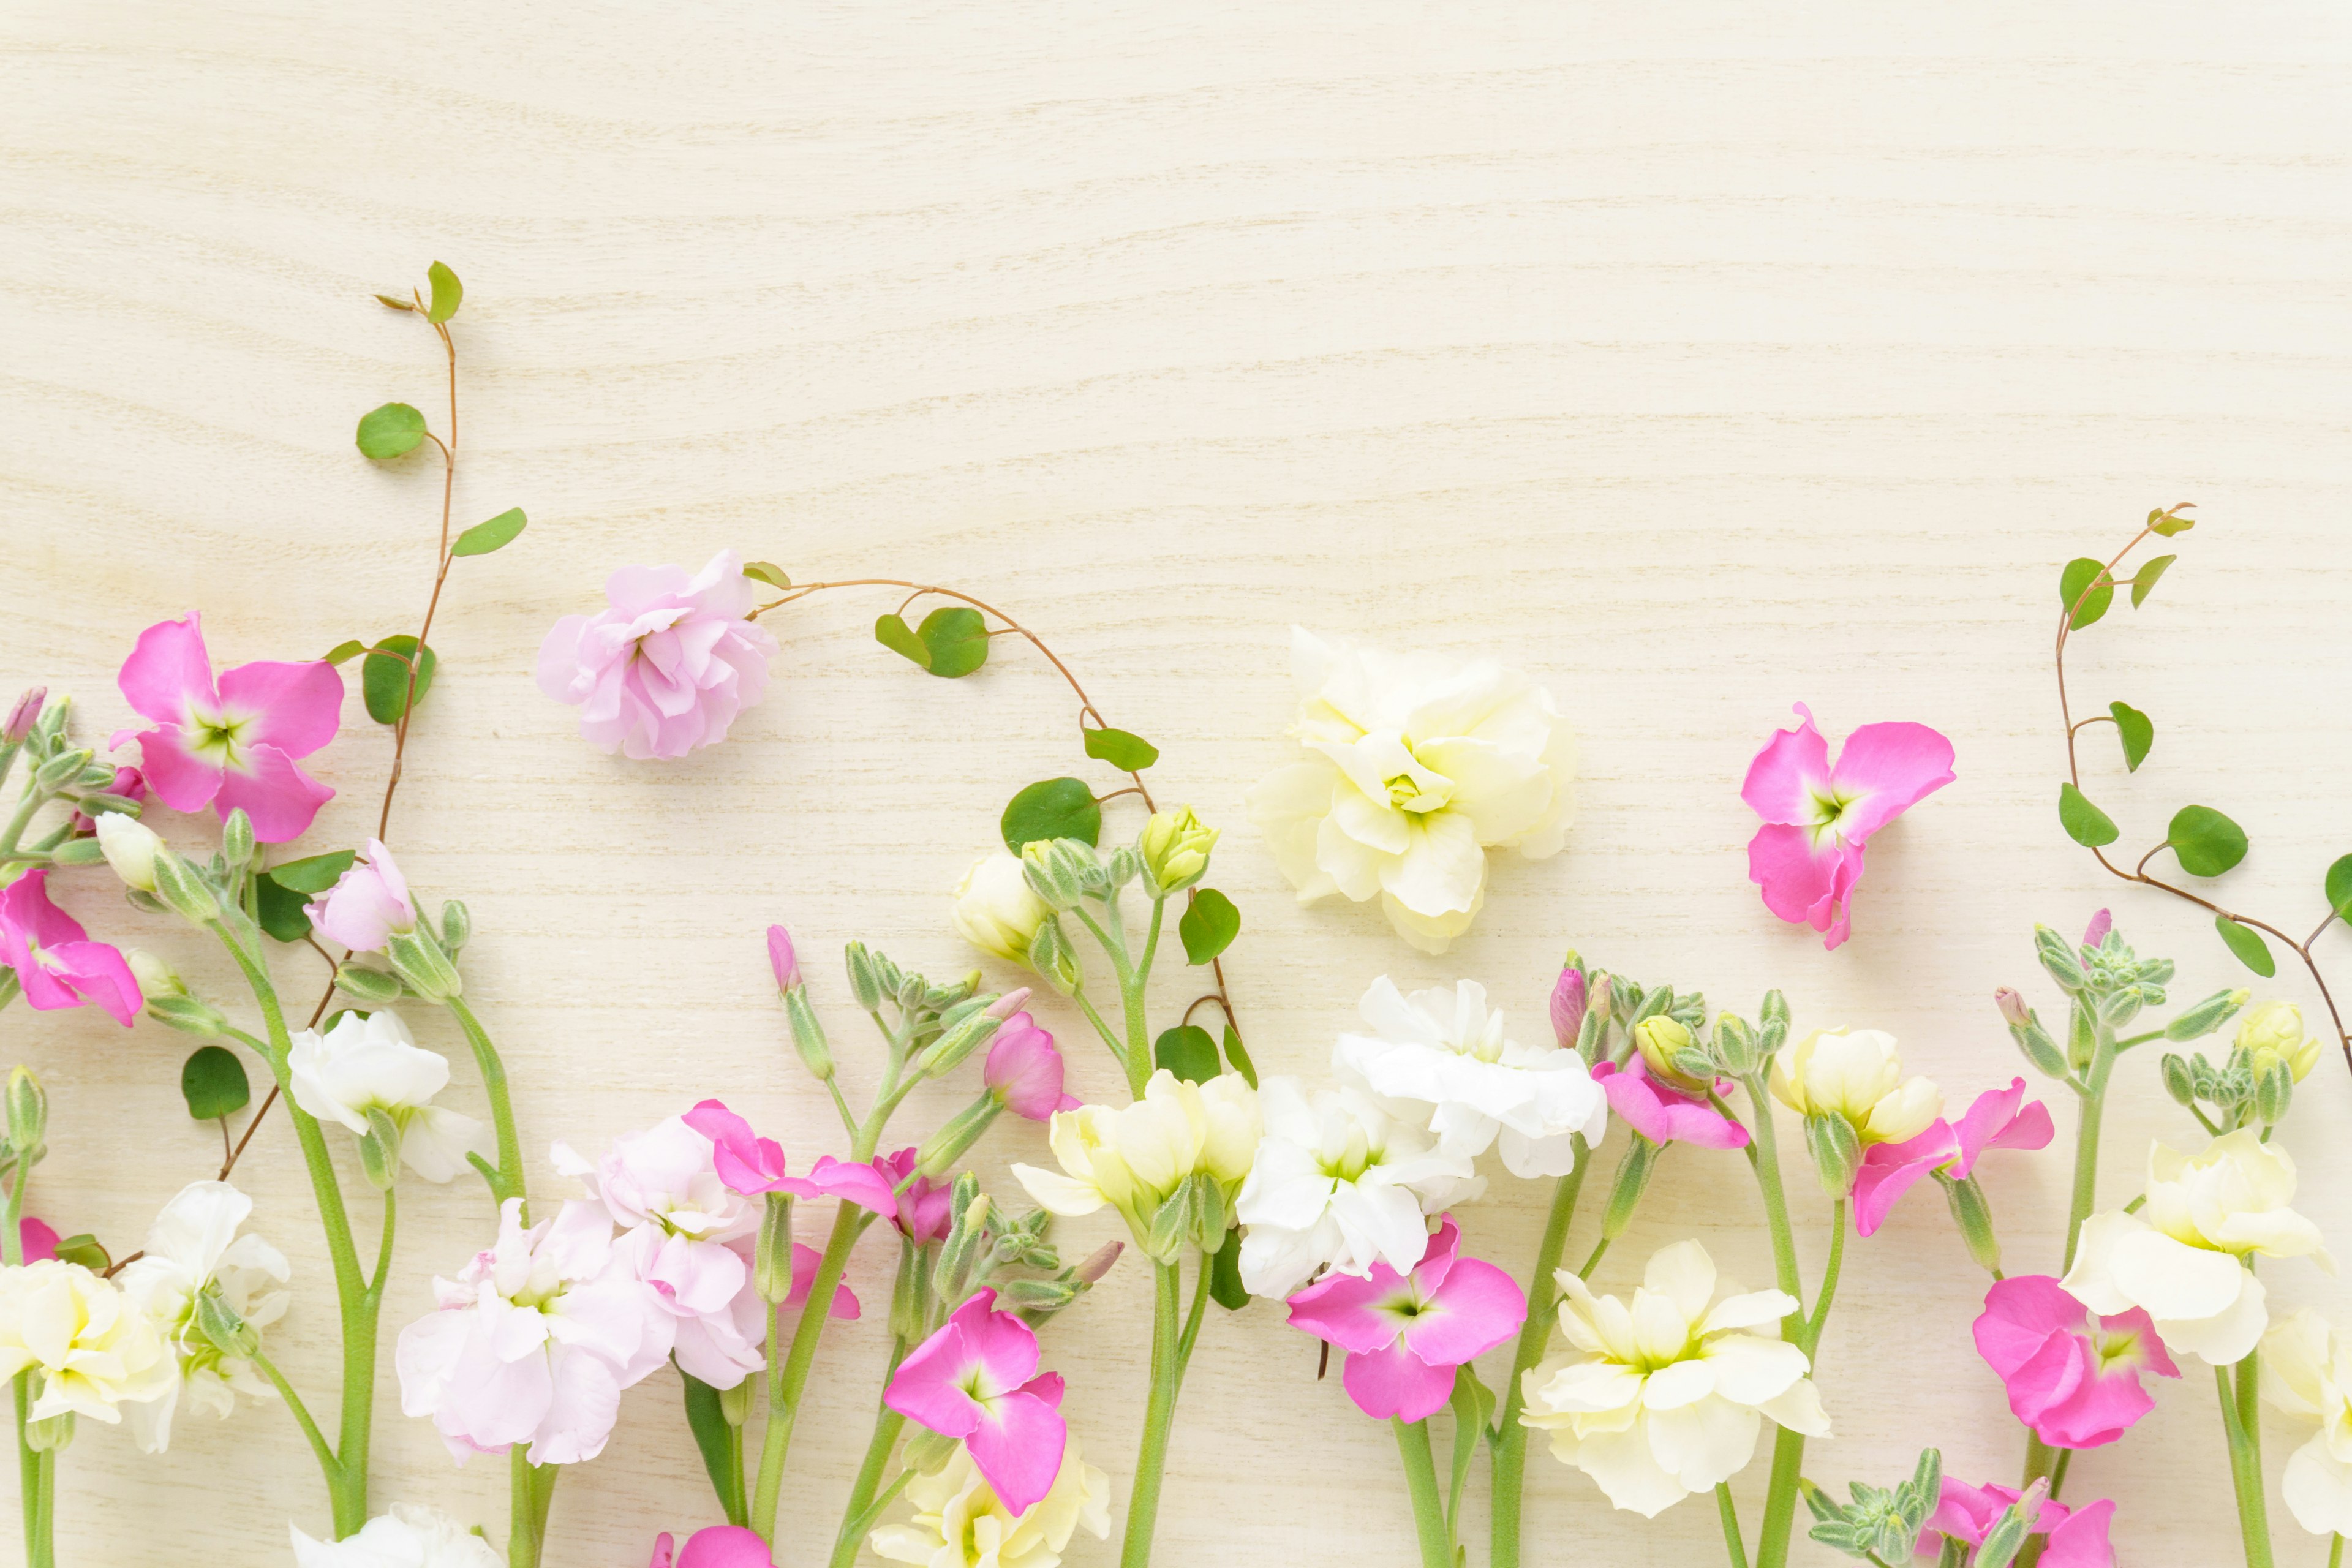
[959,1523]
[994,909]
[2272,1031]
[90,1350]
[1858,1075]
[1134,1157]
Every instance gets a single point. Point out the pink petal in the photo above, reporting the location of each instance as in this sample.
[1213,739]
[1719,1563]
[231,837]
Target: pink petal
[180,779]
[39,1242]
[1023,1066]
[1478,1308]
[1017,1446]
[1883,770]
[1794,877]
[169,669]
[1345,1309]
[1995,1122]
[722,1546]
[1890,1170]
[806,1261]
[1395,1381]
[1437,1258]
[661,1551]
[1790,775]
[2080,1541]
[1045,1385]
[96,973]
[999,1343]
[781,959]
[295,706]
[849,1180]
[2152,1355]
[2020,1312]
[2097,931]
[927,1389]
[1634,1099]
[1833,916]
[280,797]
[28,918]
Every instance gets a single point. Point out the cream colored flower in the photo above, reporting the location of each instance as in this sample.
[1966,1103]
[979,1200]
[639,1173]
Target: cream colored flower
[959,1523]
[2308,1374]
[1134,1158]
[1666,1395]
[373,1063]
[90,1349]
[2272,1031]
[994,909]
[191,1244]
[1421,765]
[1856,1074]
[2179,1258]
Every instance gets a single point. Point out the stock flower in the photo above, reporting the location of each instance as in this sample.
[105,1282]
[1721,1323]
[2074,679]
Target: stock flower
[1662,1112]
[1134,1158]
[1419,765]
[231,745]
[720,1546]
[89,1348]
[959,1521]
[1808,855]
[404,1538]
[371,1062]
[922,1205]
[977,1379]
[1339,1183]
[667,666]
[368,905]
[2308,1374]
[191,1244]
[534,1341]
[747,1163]
[1998,1120]
[1856,1074]
[2074,1380]
[1666,1395]
[55,962]
[2272,1031]
[996,910]
[1024,1070]
[2076,1538]
[1405,1333]
[1444,1051]
[2179,1258]
[130,847]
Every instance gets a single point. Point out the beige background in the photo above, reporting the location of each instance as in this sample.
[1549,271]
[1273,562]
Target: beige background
[1695,362]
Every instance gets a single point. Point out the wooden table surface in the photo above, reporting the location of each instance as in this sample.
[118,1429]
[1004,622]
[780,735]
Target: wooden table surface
[1695,360]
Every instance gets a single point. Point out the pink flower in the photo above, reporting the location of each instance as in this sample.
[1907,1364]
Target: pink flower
[1808,855]
[2077,1537]
[1404,1336]
[923,1205]
[668,666]
[782,960]
[720,1546]
[368,905]
[1997,1121]
[2097,931]
[1662,1113]
[1568,998]
[750,1164]
[55,962]
[38,1240]
[24,715]
[977,1379]
[1025,1070]
[235,743]
[2076,1383]
[128,783]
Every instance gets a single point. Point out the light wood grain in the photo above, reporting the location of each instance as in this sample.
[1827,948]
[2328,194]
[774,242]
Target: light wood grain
[1697,358]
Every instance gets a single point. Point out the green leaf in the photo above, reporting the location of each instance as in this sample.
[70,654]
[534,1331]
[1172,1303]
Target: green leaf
[383,682]
[712,1435]
[495,534]
[1051,808]
[1474,1406]
[313,873]
[2248,944]
[2167,524]
[395,304]
[1210,924]
[279,910]
[2206,842]
[391,431]
[85,1250]
[2143,580]
[766,571]
[957,636]
[2080,574]
[1225,1287]
[2085,824]
[1128,754]
[2339,888]
[1187,1050]
[212,1082]
[447,292]
[2138,733]
[893,633]
[343,651]
[1238,1058]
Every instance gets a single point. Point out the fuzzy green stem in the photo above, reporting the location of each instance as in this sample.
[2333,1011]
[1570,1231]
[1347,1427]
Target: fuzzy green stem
[1159,1416]
[1729,1513]
[28,1463]
[2245,1467]
[2093,1096]
[2336,1552]
[494,1084]
[45,1553]
[887,1425]
[1510,1439]
[1420,1482]
[1788,1448]
[788,1377]
[531,1490]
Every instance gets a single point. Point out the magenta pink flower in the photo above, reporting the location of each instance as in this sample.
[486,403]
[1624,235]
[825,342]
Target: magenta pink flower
[128,783]
[1567,994]
[1808,855]
[2077,1537]
[55,962]
[668,666]
[1662,1113]
[368,905]
[38,1240]
[2097,931]
[2075,1381]
[233,744]
[923,1205]
[748,1165]
[720,1546]
[1404,1336]
[977,1379]
[1998,1120]
[24,715]
[782,960]
[806,1261]
[1024,1070]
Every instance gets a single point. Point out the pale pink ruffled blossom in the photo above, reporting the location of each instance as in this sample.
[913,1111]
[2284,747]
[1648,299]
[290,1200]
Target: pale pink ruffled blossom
[668,666]
[1025,1071]
[1404,1334]
[2073,1378]
[369,904]
[1998,1119]
[55,962]
[977,1379]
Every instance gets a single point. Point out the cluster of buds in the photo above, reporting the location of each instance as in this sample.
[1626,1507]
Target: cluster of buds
[985,1248]
[1882,1524]
[2255,1085]
[2106,986]
[34,729]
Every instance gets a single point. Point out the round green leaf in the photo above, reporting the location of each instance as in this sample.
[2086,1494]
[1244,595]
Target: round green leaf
[313,873]
[343,652]
[2143,580]
[2167,524]
[485,537]
[212,1082]
[1051,808]
[2138,733]
[2339,888]
[893,633]
[2085,824]
[280,911]
[2080,574]
[1237,1057]
[1187,1050]
[957,637]
[391,431]
[383,682]
[1210,924]
[2206,842]
[447,292]
[1127,752]
[766,571]
[2247,945]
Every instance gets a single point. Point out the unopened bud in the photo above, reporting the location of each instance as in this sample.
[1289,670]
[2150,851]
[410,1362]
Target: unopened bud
[2013,1011]
[1973,1215]
[2039,1047]
[22,716]
[49,1435]
[60,771]
[2273,1092]
[959,1040]
[1175,849]
[1060,871]
[2082,1036]
[2058,957]
[1011,1001]
[155,977]
[1098,1262]
[371,986]
[236,842]
[130,847]
[219,1322]
[457,927]
[2007,1537]
[783,961]
[2095,933]
[1737,1050]
[808,1034]
[2207,1016]
[1567,1006]
[1836,1151]
[735,1403]
[28,1115]
[183,891]
[952,1273]
[864,980]
[2180,1080]
[771,1262]
[928,1452]
[1040,1297]
[190,1015]
[943,1150]
[418,960]
[1662,1041]
[1633,1180]
[1053,957]
[380,1150]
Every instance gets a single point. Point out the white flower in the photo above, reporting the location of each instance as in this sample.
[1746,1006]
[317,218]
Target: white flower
[1421,765]
[959,1523]
[194,1243]
[2178,1258]
[2308,1373]
[1856,1074]
[89,1348]
[995,910]
[1667,1395]
[1339,1181]
[372,1063]
[404,1538]
[1442,1050]
[128,846]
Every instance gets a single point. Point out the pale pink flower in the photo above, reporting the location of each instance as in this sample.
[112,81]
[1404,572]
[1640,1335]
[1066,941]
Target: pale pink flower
[55,962]
[1662,1113]
[369,904]
[231,745]
[24,715]
[923,1205]
[977,1379]
[1405,1334]
[668,666]
[1808,855]
[534,1341]
[1024,1070]
[1998,1120]
[2077,1537]
[2074,1379]
[2097,931]
[720,1546]
[747,1164]
[782,960]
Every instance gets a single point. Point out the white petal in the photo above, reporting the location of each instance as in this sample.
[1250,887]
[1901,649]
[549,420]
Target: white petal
[2317,1487]
[1705,1443]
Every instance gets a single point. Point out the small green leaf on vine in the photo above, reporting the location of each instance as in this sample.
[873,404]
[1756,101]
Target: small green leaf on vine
[1238,1057]
[1209,926]
[893,633]
[1127,752]
[2143,580]
[2339,888]
[495,534]
[957,637]
[2080,574]
[384,681]
[1187,1050]
[1051,808]
[2247,945]
[279,910]
[767,571]
[395,304]
[2085,824]
[2138,733]
[447,292]
[391,431]
[344,652]
[313,873]
[2206,842]
[2168,521]
[214,1084]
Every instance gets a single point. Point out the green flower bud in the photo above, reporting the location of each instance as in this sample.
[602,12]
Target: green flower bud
[370,988]
[155,977]
[1053,957]
[2180,1080]
[2274,1032]
[457,927]
[1735,1047]
[1061,872]
[735,1403]
[1836,1150]
[2273,1092]
[220,1325]
[186,1014]
[2040,1050]
[1175,848]
[772,1260]
[236,842]
[2082,1036]
[28,1115]
[1974,1217]
[808,1034]
[130,847]
[380,1150]
[421,964]
[61,770]
[944,1149]
[183,891]
[864,981]
[2057,955]
[51,1435]
[928,1452]
[1625,1194]
[1662,1041]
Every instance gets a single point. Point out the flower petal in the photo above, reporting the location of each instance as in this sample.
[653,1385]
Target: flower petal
[293,706]
[280,797]
[1788,778]
[168,670]
[1394,1382]
[1883,770]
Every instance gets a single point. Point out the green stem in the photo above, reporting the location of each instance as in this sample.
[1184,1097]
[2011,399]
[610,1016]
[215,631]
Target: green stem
[1510,1438]
[1109,1035]
[1158,1417]
[28,1463]
[1788,1448]
[532,1496]
[22,818]
[2336,1552]
[2093,1096]
[788,1377]
[494,1084]
[1813,1340]
[858,1527]
[1193,1319]
[2245,1469]
[45,1552]
[1729,1511]
[887,1425]
[2058,1472]
[328,1464]
[1421,1480]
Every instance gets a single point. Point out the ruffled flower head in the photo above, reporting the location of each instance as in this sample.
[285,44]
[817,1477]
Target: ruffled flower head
[371,1062]
[2307,1371]
[960,1522]
[2072,1377]
[667,666]
[55,962]
[2071,1536]
[1134,1158]
[1406,1332]
[89,1348]
[404,1538]
[192,1245]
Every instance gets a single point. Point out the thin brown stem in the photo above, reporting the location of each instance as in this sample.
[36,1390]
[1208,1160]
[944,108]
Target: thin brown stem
[250,1128]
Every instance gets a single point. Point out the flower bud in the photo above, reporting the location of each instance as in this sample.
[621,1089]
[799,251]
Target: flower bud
[808,1034]
[1060,871]
[28,1115]
[1053,957]
[60,771]
[1735,1047]
[1568,1006]
[2095,933]
[1662,1040]
[2180,1079]
[2040,1050]
[2082,1036]
[457,927]
[1124,866]
[219,1322]
[380,1150]
[2013,1010]
[189,1015]
[1974,1217]
[2274,1090]
[130,847]
[183,891]
[1041,1297]
[928,1452]
[1633,1180]
[236,842]
[1836,1150]
[1175,848]
[20,720]
[994,909]
[785,963]
[2006,1536]
[1098,1262]
[771,1261]
[421,964]
[964,1036]
[155,977]
[864,981]
[943,1150]
[2058,957]
[735,1403]
[50,1434]
[372,986]
[2274,1032]
[951,1275]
